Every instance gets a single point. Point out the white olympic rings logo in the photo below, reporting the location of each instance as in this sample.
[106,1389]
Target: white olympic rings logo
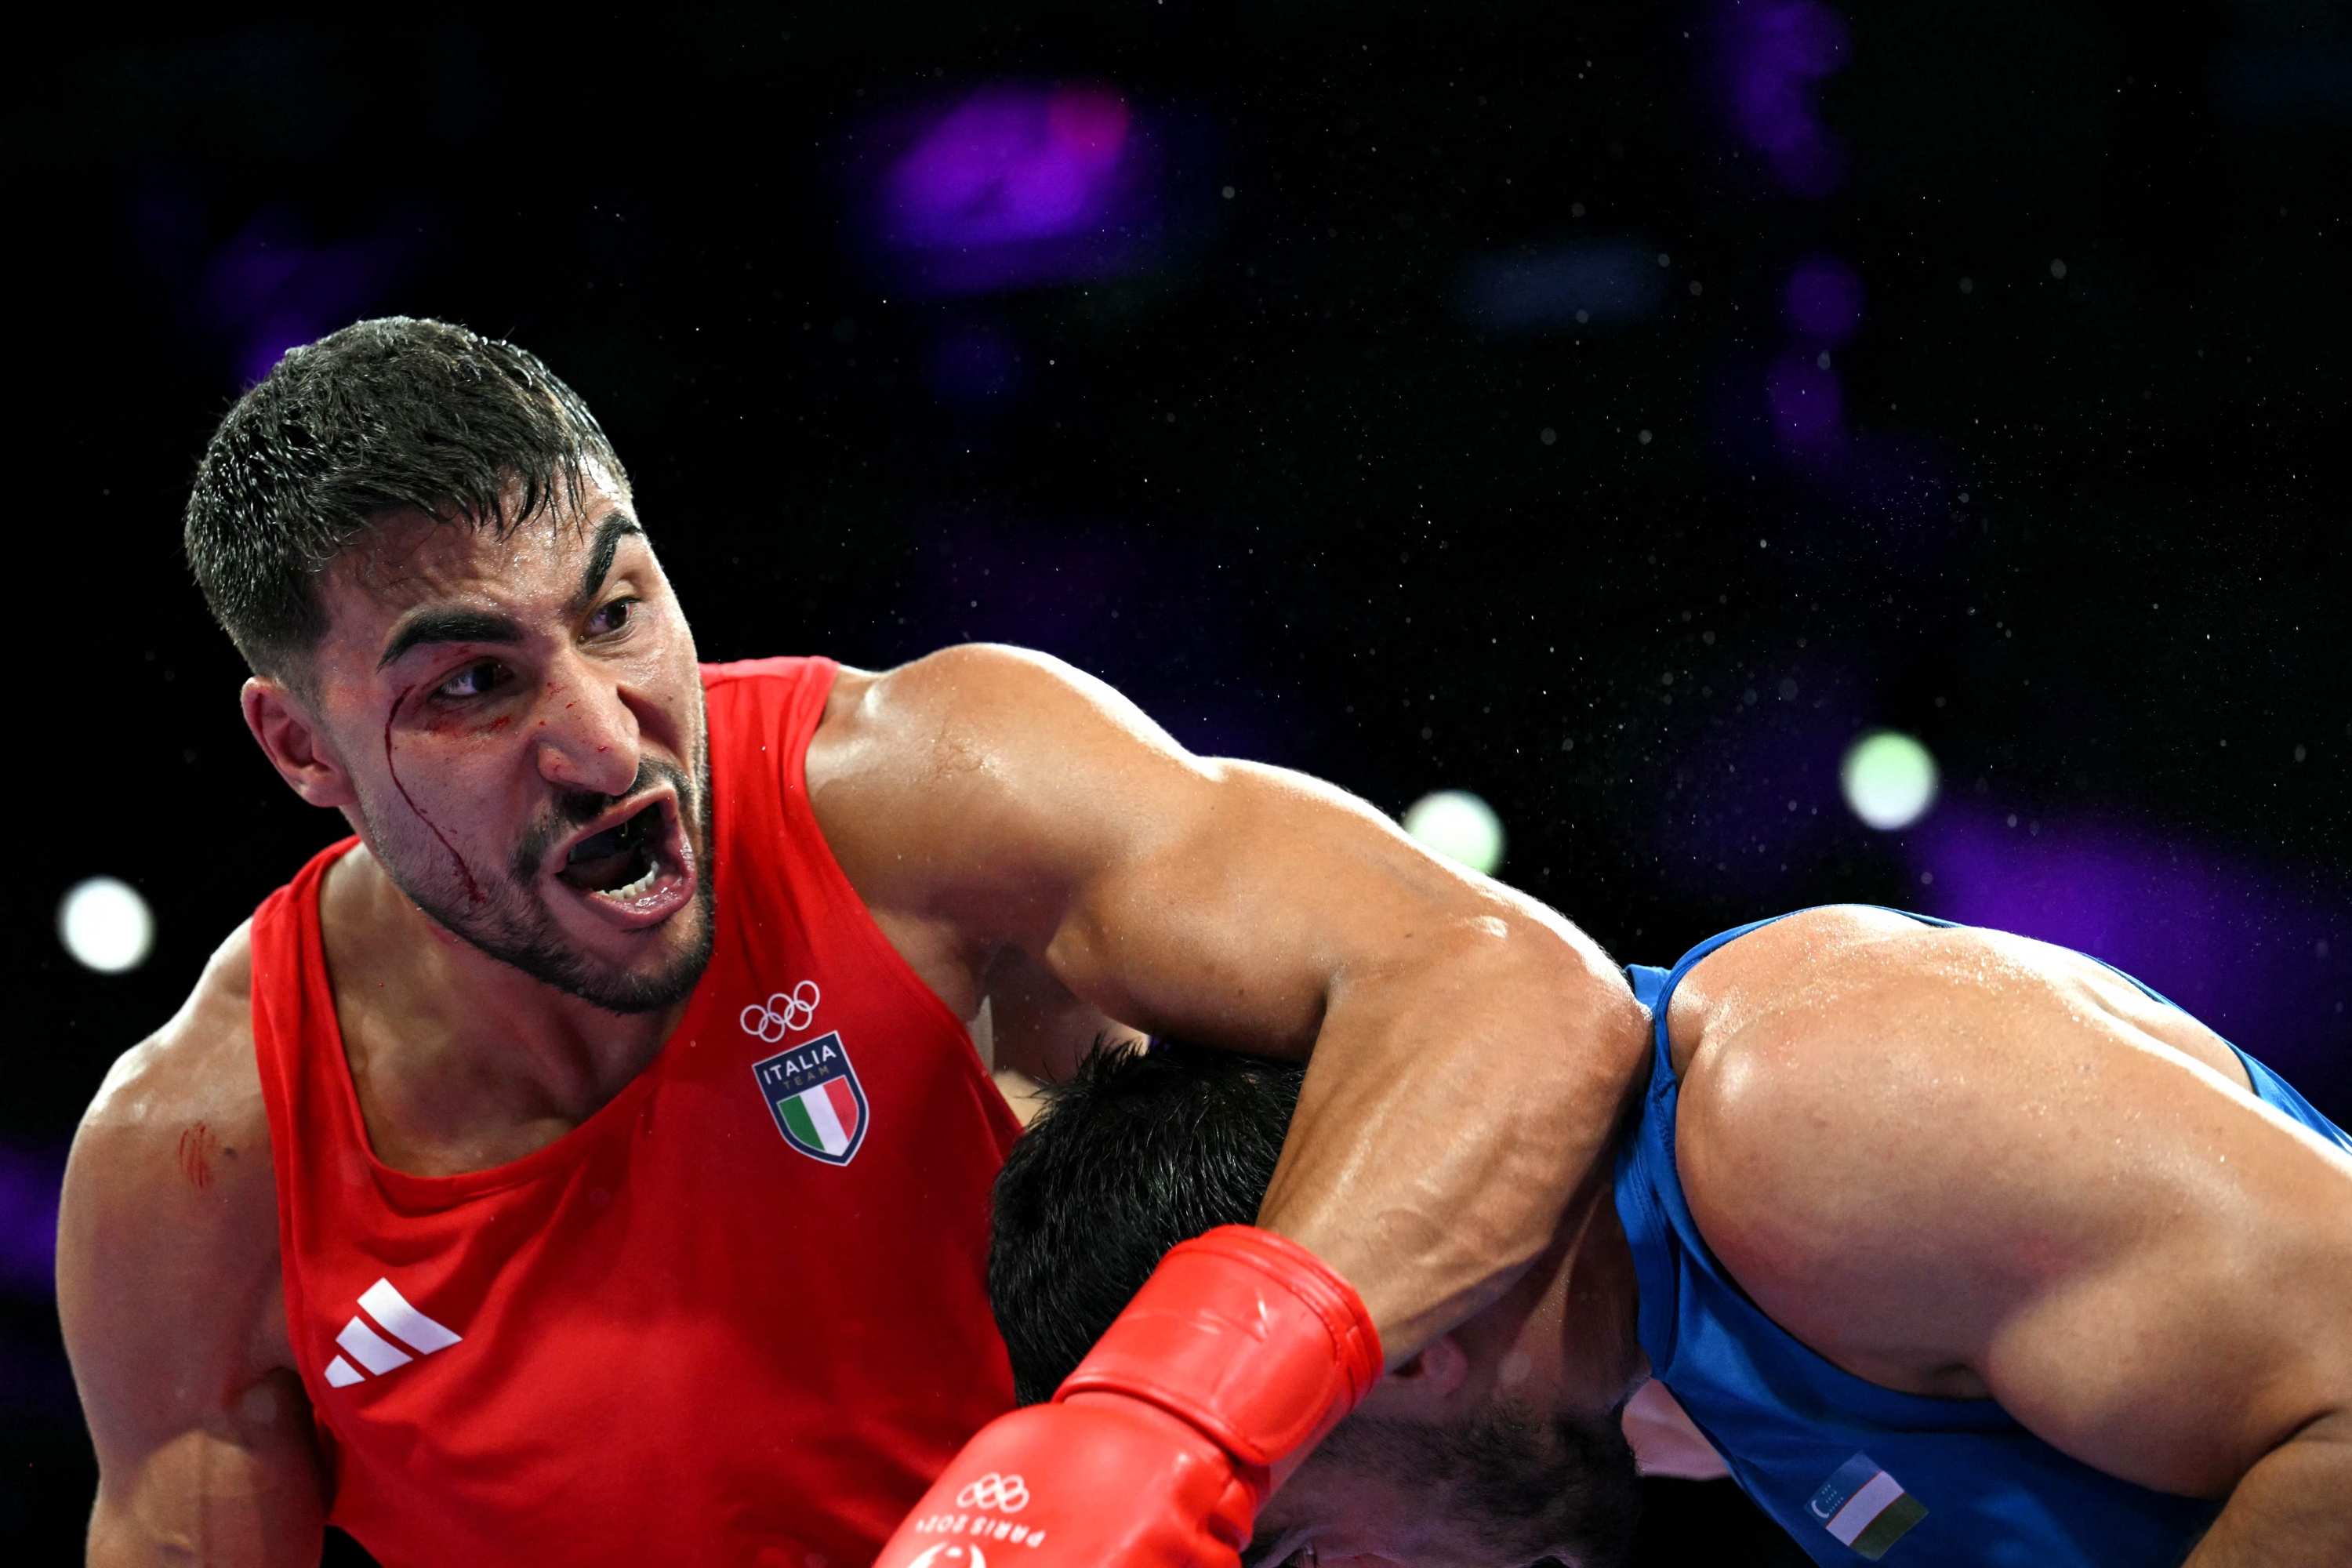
[784,1012]
[1008,1494]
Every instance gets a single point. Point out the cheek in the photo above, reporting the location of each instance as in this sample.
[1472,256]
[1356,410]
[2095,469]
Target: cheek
[454,769]
[460,727]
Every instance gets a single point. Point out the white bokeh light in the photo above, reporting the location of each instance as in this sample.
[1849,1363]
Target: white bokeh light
[1458,826]
[1889,780]
[105,925]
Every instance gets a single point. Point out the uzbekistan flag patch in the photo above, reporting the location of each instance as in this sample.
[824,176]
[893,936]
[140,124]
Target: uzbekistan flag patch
[1865,1508]
[818,1103]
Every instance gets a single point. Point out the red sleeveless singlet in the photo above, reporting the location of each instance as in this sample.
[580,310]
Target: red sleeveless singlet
[739,1315]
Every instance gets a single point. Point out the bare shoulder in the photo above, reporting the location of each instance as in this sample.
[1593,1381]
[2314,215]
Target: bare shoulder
[948,709]
[982,767]
[1796,968]
[170,1186]
[1892,1133]
[190,1092]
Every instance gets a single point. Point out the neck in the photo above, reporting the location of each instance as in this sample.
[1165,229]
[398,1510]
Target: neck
[462,1062]
[1566,1337]
[1600,1304]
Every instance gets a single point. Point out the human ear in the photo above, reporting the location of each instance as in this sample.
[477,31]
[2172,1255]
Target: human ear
[294,744]
[1417,1390]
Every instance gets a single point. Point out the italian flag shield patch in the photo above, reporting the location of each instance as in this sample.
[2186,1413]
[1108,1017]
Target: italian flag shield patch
[815,1097]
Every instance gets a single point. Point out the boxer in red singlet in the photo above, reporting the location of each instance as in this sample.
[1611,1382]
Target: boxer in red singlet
[588,1161]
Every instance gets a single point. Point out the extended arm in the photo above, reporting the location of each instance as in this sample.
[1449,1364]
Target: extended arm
[1471,1049]
[167,1286]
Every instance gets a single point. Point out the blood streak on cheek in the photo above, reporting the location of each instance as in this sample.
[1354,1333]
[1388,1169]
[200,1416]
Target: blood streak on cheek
[473,888]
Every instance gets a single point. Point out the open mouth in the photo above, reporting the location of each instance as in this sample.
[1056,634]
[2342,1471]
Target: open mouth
[624,862]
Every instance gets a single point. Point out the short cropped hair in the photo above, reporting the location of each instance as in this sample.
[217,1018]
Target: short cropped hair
[1139,1151]
[1143,1150]
[387,416]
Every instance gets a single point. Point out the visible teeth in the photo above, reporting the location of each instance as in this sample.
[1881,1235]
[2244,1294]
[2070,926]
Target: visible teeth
[638,889]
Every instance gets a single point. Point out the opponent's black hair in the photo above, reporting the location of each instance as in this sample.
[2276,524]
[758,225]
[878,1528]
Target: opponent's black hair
[391,414]
[1145,1149]
[1139,1151]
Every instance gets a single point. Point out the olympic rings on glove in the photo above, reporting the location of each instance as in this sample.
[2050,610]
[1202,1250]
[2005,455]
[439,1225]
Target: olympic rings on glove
[1008,1494]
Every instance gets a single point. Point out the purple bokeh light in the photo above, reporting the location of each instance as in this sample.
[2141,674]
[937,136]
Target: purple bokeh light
[270,288]
[269,285]
[30,1180]
[1824,299]
[1773,52]
[2258,957]
[1017,184]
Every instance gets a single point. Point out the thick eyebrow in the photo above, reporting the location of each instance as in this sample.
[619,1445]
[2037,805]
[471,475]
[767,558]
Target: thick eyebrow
[482,626]
[615,527]
[449,625]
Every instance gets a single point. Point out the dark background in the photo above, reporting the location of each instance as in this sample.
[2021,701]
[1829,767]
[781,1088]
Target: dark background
[1323,470]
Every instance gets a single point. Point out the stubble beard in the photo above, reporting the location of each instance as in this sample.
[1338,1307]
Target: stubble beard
[499,913]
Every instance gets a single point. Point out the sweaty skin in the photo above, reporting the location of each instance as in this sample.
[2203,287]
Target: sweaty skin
[1967,1165]
[1026,839]
[1963,1165]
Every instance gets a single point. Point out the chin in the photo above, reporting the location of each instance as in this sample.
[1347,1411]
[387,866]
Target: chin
[661,976]
[643,969]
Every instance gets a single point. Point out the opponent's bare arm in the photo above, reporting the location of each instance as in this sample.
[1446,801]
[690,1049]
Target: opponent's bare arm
[169,1289]
[1472,1049]
[1990,1167]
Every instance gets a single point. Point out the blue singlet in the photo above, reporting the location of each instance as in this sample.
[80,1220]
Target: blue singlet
[1852,1471]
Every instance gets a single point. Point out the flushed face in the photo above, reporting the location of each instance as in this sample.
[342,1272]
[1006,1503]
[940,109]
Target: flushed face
[521,721]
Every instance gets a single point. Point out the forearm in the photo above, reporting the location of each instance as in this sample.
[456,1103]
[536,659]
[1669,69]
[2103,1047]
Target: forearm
[1452,1106]
[2293,1510]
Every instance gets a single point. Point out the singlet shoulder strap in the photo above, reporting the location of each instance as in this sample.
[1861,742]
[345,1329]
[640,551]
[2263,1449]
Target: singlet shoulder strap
[296,1044]
[290,986]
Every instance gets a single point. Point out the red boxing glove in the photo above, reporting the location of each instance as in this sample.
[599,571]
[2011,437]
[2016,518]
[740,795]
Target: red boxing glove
[1240,1349]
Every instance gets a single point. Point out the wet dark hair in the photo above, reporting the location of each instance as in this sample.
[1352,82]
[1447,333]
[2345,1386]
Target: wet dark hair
[1144,1148]
[1139,1151]
[386,415]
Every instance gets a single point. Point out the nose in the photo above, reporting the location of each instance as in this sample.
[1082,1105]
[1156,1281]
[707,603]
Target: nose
[588,742]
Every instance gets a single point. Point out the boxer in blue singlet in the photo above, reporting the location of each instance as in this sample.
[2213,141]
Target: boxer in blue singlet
[1958,1248]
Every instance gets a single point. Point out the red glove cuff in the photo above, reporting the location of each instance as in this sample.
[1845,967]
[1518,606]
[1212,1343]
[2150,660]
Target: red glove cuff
[1249,1337]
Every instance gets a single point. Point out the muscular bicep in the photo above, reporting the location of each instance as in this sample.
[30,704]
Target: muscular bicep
[166,1287]
[2207,1325]
[1009,801]
[1023,801]
[1254,894]
[1954,1180]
